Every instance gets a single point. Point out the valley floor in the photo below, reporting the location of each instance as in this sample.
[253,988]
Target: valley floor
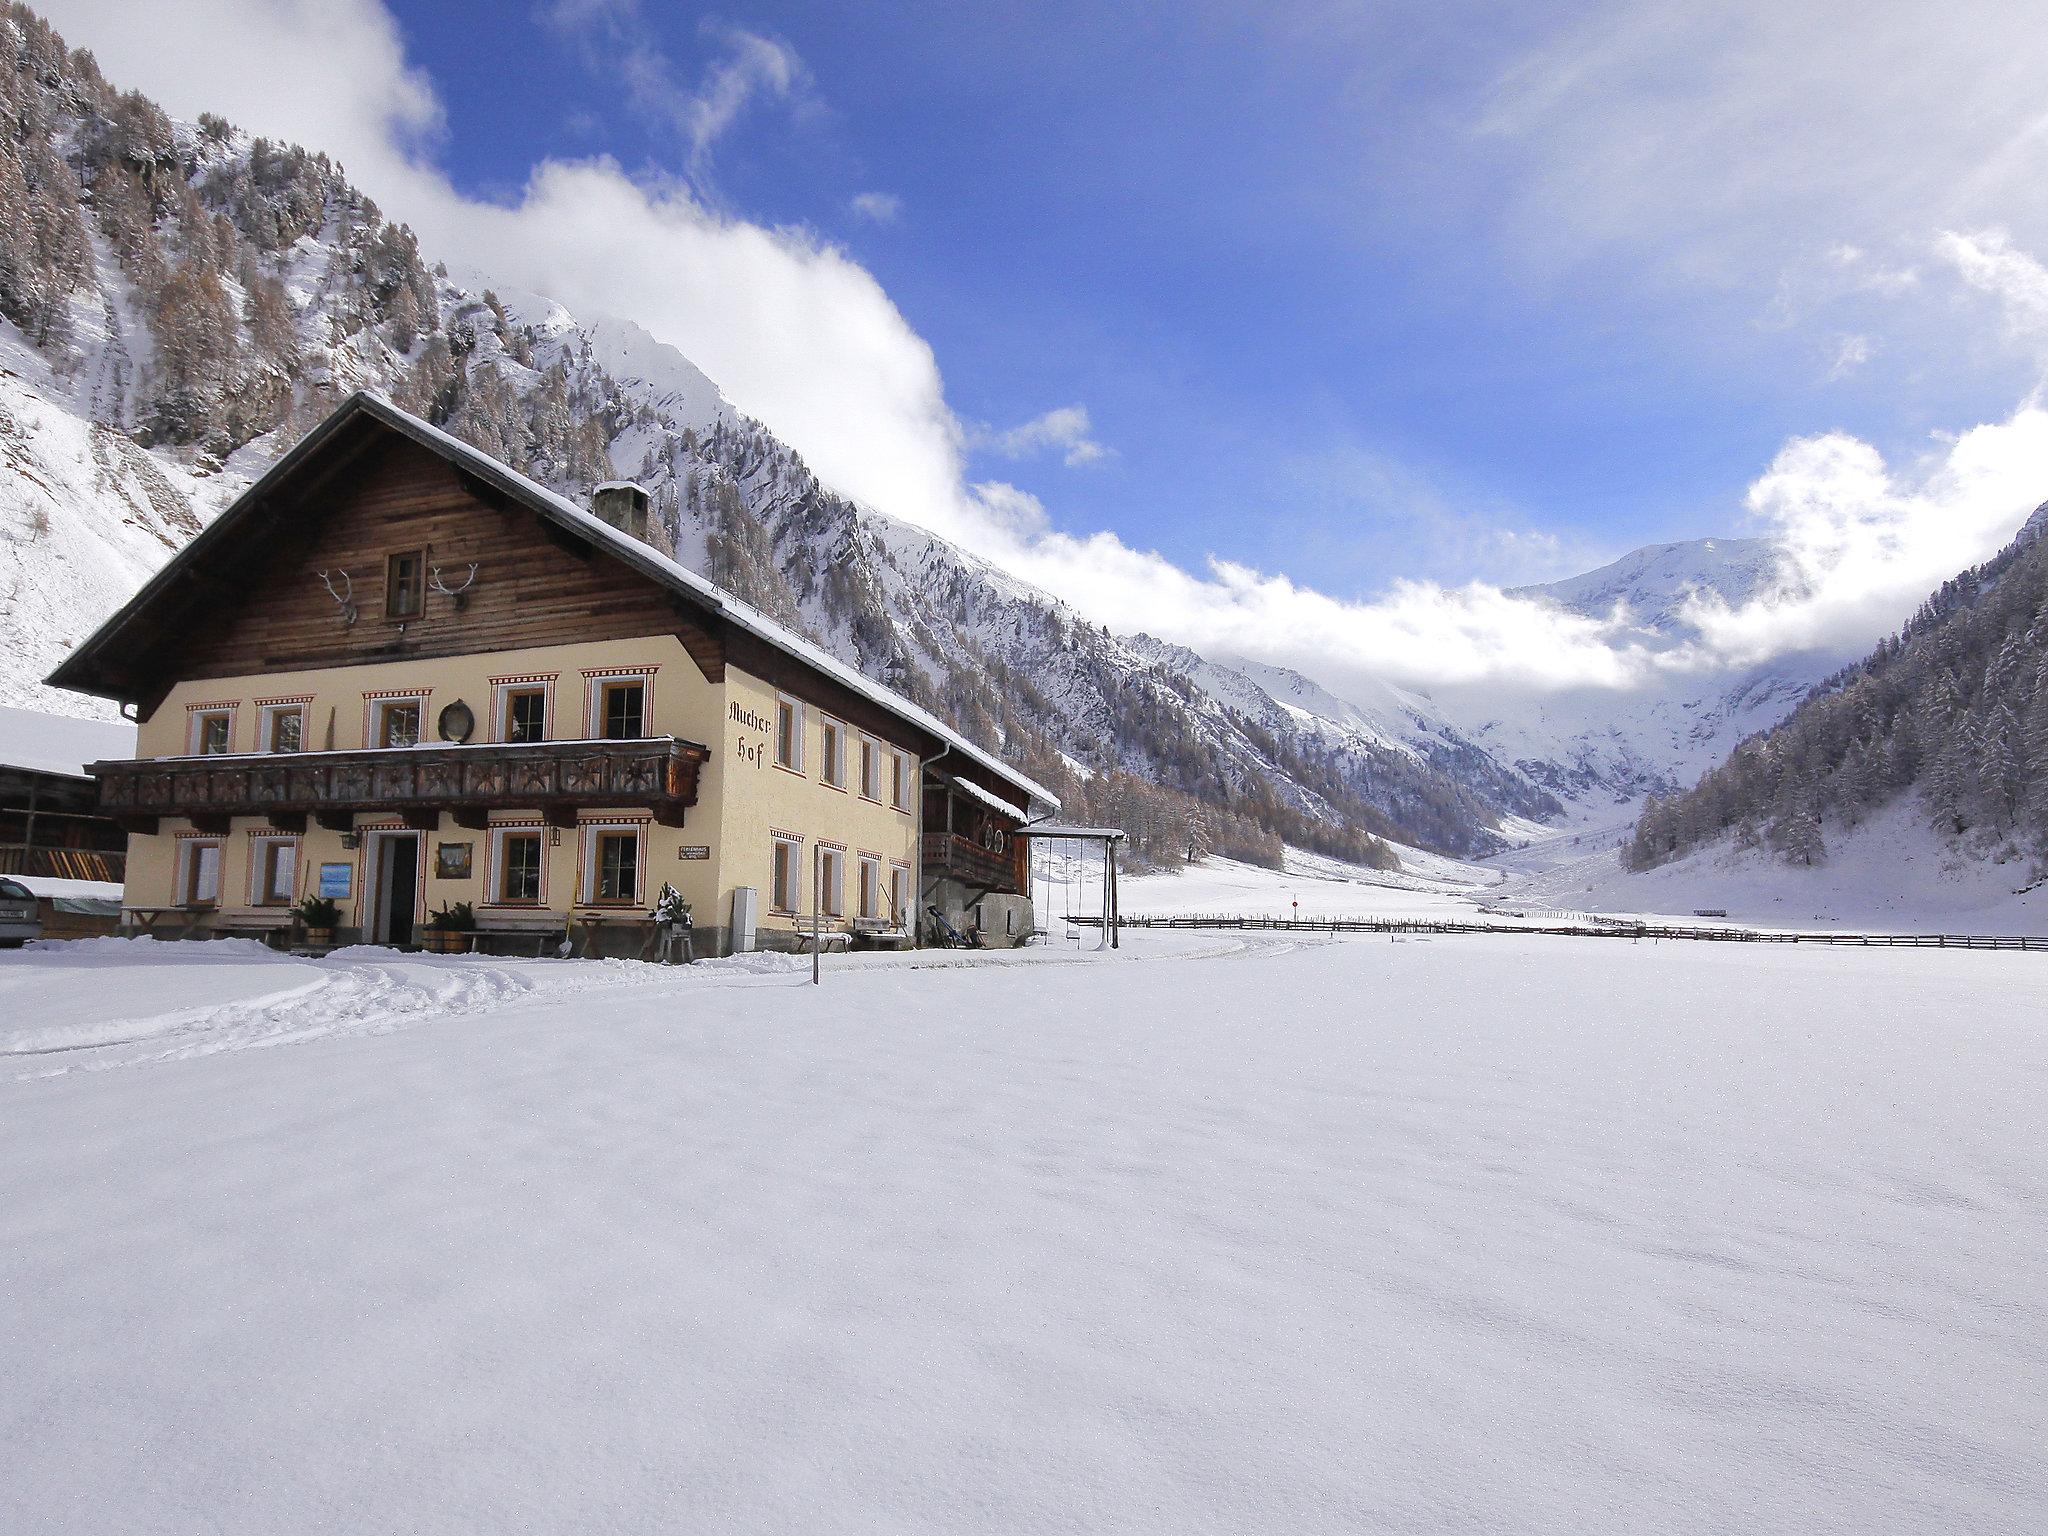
[1462,1234]
[1890,874]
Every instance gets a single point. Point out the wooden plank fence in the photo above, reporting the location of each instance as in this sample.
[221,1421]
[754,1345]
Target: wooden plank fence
[1592,928]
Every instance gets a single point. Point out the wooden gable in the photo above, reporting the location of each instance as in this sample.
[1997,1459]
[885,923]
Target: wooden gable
[265,607]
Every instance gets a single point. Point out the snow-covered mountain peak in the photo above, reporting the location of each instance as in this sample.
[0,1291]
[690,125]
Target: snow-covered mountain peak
[1651,588]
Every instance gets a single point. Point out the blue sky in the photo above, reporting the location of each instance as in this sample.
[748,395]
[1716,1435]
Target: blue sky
[1210,230]
[1289,330]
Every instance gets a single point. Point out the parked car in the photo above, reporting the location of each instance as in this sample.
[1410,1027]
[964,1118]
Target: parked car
[18,920]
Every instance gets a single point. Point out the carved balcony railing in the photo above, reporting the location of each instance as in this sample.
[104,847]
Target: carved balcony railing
[419,784]
[951,856]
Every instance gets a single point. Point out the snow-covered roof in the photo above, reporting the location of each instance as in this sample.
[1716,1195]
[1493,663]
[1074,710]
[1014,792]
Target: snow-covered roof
[642,557]
[1051,830]
[974,791]
[59,743]
[713,596]
[59,889]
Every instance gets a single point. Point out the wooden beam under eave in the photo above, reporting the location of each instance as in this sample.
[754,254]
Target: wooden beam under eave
[336,821]
[704,647]
[145,825]
[556,814]
[212,823]
[471,818]
[288,821]
[670,813]
[423,821]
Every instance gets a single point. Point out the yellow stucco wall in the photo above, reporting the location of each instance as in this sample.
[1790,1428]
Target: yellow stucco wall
[744,797]
[762,799]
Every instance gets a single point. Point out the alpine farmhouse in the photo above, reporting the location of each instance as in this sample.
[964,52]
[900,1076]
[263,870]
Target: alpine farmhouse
[399,674]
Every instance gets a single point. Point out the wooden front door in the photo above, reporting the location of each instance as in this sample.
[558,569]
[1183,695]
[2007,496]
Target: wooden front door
[395,887]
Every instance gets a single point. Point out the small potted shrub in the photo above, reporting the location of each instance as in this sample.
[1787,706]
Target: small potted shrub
[321,917]
[450,929]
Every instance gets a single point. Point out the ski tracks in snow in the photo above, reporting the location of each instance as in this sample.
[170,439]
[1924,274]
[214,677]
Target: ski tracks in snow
[323,998]
[364,991]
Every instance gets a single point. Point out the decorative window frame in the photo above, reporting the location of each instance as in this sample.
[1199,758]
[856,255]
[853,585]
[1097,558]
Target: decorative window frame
[502,688]
[494,864]
[798,728]
[588,835]
[832,879]
[795,843]
[864,863]
[260,841]
[187,846]
[267,711]
[832,760]
[903,770]
[870,757]
[594,680]
[374,703]
[195,714]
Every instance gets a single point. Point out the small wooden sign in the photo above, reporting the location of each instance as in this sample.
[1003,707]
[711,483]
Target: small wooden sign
[693,851]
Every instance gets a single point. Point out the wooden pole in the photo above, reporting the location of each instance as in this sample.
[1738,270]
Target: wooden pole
[817,910]
[1115,910]
[1107,938]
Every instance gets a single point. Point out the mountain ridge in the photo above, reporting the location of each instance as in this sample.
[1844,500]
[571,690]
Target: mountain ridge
[180,301]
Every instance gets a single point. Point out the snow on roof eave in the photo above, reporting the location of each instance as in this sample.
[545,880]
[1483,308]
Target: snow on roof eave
[1052,829]
[993,802]
[713,596]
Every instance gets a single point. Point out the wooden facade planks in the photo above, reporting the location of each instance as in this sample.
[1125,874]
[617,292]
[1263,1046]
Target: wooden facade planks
[401,497]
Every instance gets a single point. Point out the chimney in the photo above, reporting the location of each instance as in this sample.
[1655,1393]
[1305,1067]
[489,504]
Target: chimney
[624,505]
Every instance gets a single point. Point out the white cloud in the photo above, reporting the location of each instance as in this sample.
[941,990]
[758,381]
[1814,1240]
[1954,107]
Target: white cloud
[1064,430]
[877,207]
[1988,262]
[1352,502]
[613,37]
[799,334]
[1850,353]
[1721,141]
[1867,542]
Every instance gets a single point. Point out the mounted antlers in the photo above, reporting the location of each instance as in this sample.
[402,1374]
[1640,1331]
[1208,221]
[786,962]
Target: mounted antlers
[434,580]
[345,597]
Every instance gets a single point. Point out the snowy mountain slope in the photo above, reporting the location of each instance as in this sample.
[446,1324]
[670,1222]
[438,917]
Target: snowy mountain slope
[221,294]
[187,301]
[1891,873]
[1652,585]
[1603,750]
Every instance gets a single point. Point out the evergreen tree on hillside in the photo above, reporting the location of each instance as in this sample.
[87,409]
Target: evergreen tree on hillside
[1953,709]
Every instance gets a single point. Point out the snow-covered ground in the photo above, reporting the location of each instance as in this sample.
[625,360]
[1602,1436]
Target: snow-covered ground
[1892,873]
[1427,885]
[1460,1234]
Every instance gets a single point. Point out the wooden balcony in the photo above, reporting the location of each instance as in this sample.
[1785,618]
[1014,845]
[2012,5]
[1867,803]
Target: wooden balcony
[419,784]
[951,856]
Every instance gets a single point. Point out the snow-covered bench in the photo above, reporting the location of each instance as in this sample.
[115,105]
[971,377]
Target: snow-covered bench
[879,933]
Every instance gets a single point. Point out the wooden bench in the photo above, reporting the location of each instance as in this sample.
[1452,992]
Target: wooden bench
[586,931]
[829,939]
[879,933]
[150,922]
[269,926]
[507,933]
